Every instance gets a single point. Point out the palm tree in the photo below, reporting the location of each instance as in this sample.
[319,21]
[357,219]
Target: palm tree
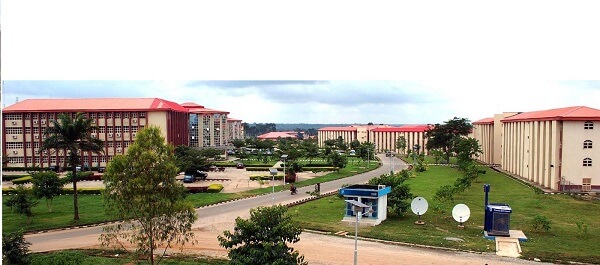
[72,136]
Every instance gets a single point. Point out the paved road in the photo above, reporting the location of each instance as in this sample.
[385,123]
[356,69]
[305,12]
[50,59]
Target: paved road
[88,236]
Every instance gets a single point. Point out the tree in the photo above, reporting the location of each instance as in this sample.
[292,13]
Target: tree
[441,135]
[22,202]
[141,185]
[46,184]
[72,136]
[401,144]
[189,159]
[238,143]
[355,144]
[311,149]
[466,149]
[15,250]
[263,238]
[329,144]
[337,160]
[340,144]
[400,195]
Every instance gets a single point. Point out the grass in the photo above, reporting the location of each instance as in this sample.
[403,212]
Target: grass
[564,241]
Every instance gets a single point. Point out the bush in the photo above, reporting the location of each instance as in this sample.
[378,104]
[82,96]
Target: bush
[196,189]
[265,177]
[12,177]
[23,180]
[540,222]
[15,250]
[214,188]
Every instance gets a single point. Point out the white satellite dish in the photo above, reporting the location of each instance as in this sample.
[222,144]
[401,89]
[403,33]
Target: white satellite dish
[461,214]
[419,206]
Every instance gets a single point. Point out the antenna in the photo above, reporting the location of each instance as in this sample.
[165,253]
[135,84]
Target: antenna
[419,206]
[461,214]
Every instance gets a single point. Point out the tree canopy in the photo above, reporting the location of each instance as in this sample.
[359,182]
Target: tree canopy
[441,135]
[141,185]
[46,184]
[263,238]
[398,198]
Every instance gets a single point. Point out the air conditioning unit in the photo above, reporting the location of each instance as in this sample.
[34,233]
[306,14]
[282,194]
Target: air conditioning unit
[14,123]
[134,121]
[14,137]
[133,134]
[15,152]
[34,121]
[43,121]
[118,150]
[110,135]
[93,136]
[45,152]
[193,137]
[118,135]
[93,121]
[37,136]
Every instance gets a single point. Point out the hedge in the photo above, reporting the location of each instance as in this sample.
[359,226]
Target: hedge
[12,177]
[22,180]
[266,177]
[65,191]
[319,169]
[196,189]
[214,188]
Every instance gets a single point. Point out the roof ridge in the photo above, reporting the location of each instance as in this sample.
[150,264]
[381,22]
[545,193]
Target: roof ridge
[574,108]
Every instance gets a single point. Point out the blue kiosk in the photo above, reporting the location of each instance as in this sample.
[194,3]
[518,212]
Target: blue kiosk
[375,196]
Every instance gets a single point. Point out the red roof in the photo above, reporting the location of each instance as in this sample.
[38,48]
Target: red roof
[404,128]
[485,121]
[277,135]
[94,104]
[207,111]
[577,113]
[191,105]
[233,119]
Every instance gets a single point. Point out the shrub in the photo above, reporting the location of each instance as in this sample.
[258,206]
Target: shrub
[540,222]
[196,189]
[15,250]
[23,180]
[214,188]
[12,177]
[265,177]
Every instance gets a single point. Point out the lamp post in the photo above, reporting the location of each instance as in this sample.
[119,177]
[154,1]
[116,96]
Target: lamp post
[357,208]
[273,173]
[284,157]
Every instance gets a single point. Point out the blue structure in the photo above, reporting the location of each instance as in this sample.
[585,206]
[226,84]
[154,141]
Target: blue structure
[373,195]
[497,216]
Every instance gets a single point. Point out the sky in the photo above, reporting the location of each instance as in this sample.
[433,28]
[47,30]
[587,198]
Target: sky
[388,62]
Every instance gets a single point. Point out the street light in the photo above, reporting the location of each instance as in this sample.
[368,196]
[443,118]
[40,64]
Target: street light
[357,208]
[273,173]
[284,157]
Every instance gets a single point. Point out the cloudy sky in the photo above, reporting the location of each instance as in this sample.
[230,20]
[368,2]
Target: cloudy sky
[394,62]
[391,102]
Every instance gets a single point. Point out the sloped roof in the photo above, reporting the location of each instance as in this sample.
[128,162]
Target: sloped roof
[207,111]
[191,105]
[577,113]
[233,119]
[277,135]
[94,104]
[485,121]
[404,128]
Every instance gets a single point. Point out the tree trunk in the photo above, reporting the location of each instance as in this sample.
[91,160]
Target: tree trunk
[75,203]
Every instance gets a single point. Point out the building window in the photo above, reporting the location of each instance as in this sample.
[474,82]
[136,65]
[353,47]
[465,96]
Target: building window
[101,115]
[117,115]
[587,144]
[587,162]
[586,184]
[588,125]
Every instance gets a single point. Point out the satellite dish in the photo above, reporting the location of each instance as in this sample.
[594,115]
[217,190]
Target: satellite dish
[461,213]
[419,207]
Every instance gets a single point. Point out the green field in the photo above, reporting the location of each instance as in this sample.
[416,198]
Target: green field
[564,240]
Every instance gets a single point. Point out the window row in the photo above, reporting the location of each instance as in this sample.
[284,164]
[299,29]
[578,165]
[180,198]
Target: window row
[588,125]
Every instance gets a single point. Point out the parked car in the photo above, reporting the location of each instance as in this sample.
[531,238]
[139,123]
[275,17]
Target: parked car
[101,169]
[189,179]
[54,168]
[239,165]
[203,175]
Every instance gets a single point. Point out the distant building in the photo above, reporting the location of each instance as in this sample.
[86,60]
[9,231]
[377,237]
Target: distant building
[236,129]
[553,148]
[208,127]
[383,136]
[277,135]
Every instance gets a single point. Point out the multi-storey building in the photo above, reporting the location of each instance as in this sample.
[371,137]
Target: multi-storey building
[118,121]
[235,129]
[383,136]
[208,127]
[553,148]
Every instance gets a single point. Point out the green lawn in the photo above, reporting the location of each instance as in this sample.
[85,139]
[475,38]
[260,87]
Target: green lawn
[93,257]
[564,241]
